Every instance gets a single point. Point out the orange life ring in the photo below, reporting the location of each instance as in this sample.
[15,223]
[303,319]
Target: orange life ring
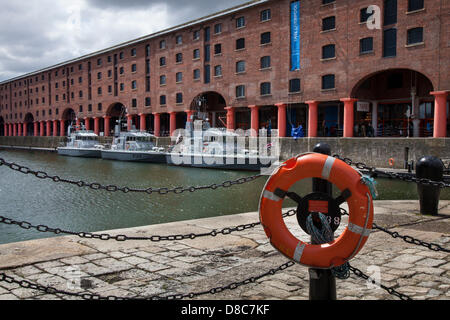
[391,162]
[349,243]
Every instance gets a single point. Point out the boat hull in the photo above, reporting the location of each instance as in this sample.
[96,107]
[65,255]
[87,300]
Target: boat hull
[134,156]
[229,162]
[79,152]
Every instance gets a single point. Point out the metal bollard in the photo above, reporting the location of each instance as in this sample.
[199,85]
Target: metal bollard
[322,282]
[432,168]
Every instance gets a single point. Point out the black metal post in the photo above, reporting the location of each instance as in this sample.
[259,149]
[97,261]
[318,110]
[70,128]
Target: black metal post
[432,168]
[322,283]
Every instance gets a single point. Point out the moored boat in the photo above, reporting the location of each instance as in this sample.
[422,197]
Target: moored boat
[81,143]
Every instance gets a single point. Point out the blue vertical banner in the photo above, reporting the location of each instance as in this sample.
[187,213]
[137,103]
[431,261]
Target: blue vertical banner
[295,35]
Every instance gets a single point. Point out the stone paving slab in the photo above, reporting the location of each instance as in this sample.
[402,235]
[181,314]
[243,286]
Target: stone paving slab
[144,269]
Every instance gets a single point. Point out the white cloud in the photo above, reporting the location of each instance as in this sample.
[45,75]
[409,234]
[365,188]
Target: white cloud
[40,33]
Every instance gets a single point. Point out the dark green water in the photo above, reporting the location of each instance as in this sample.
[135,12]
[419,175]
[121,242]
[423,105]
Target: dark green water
[59,205]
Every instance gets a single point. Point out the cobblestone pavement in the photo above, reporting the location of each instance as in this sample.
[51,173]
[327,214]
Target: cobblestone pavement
[145,269]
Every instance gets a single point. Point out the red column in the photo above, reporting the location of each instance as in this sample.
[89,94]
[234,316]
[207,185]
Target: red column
[97,125]
[62,128]
[107,126]
[5,129]
[142,122]
[48,128]
[87,123]
[19,129]
[129,122]
[312,118]
[440,114]
[157,124]
[281,119]
[173,122]
[9,129]
[231,122]
[55,128]
[254,120]
[190,115]
[36,129]
[349,116]
[42,130]
[78,124]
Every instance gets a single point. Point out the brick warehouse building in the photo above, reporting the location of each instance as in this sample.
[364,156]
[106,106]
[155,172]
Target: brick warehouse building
[278,64]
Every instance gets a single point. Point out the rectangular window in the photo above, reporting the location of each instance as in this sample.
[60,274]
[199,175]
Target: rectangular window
[390,12]
[162,61]
[240,44]
[121,70]
[179,39]
[207,74]
[179,58]
[134,84]
[240,66]
[99,61]
[265,38]
[196,74]
[294,85]
[133,68]
[109,89]
[207,53]
[265,88]
[328,82]
[179,77]
[134,103]
[329,23]
[415,35]
[363,15]
[179,98]
[414,5]
[328,51]
[162,80]
[99,76]
[148,101]
[162,100]
[109,73]
[218,48]
[218,28]
[196,54]
[218,71]
[121,55]
[99,90]
[162,44]
[147,84]
[240,22]
[122,87]
[196,35]
[390,43]
[147,50]
[266,15]
[366,45]
[147,66]
[240,91]
[207,34]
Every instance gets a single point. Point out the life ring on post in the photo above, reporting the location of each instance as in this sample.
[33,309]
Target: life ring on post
[391,162]
[356,193]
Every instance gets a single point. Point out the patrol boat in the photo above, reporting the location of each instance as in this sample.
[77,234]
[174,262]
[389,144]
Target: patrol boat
[206,147]
[81,143]
[134,145]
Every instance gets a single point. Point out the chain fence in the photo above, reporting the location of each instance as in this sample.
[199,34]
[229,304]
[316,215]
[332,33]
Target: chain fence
[213,233]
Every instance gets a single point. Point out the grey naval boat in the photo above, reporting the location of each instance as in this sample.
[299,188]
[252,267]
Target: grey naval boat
[81,143]
[134,145]
[215,148]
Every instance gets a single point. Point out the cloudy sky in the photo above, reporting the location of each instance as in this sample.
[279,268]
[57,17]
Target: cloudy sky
[35,34]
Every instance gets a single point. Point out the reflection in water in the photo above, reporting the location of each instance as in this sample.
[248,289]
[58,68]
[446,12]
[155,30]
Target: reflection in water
[59,205]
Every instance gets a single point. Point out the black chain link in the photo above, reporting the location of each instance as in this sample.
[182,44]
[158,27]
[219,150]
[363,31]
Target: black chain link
[412,240]
[390,290]
[88,235]
[393,175]
[113,188]
[89,296]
